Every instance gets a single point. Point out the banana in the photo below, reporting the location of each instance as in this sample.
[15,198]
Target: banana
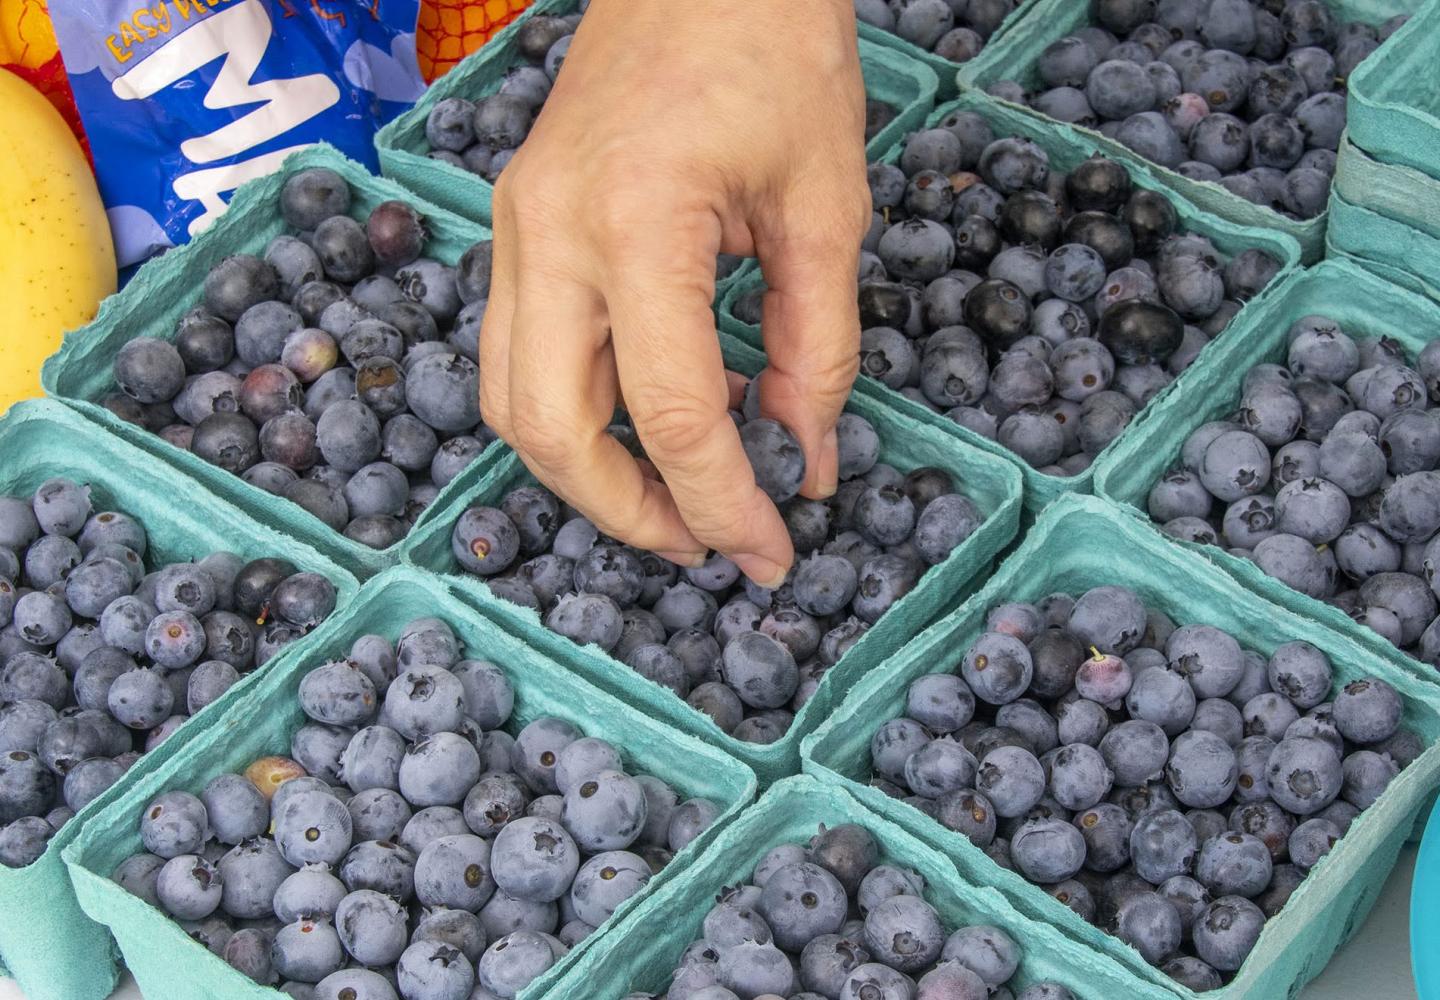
[56,258]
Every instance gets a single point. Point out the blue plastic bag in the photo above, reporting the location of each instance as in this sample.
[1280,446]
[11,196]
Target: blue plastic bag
[184,100]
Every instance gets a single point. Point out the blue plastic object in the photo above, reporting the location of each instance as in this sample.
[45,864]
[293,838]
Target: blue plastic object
[1425,912]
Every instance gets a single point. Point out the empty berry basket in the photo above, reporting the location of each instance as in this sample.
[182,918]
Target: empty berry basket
[1394,111]
[1086,542]
[1398,251]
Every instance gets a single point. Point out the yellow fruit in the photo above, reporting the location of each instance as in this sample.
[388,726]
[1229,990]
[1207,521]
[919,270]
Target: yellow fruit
[58,261]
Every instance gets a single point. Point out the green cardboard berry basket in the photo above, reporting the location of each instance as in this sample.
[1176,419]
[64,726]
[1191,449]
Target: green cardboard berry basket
[1364,305]
[80,373]
[906,444]
[642,954]
[890,76]
[1015,55]
[948,72]
[1083,542]
[1067,148]
[1396,192]
[46,942]
[1400,253]
[167,963]
[1393,107]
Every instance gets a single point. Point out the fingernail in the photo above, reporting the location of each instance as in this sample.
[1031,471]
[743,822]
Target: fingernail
[691,560]
[766,572]
[829,464]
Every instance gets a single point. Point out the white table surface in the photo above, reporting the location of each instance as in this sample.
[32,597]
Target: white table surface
[1374,965]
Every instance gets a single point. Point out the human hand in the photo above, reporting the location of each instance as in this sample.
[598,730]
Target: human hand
[680,129]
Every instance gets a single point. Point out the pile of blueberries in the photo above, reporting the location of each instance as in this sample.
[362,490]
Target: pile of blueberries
[482,135]
[410,847]
[829,920]
[1036,308]
[1246,93]
[747,657]
[952,29]
[1326,477]
[1164,783]
[337,371]
[103,660]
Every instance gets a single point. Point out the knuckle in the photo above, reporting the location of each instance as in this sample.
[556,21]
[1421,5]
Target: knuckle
[539,438]
[672,425]
[720,526]
[495,413]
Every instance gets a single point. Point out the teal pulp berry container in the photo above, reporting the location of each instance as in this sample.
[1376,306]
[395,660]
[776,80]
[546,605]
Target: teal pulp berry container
[949,72]
[1400,253]
[1067,147]
[1399,193]
[169,965]
[890,76]
[1393,105]
[905,444]
[641,954]
[47,943]
[1425,912]
[1365,306]
[166,288]
[1083,542]
[1015,57]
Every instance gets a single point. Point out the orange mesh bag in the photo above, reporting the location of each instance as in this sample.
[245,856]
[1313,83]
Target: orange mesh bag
[29,50]
[449,30]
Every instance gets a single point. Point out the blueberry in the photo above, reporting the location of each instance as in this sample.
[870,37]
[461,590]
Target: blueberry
[1109,618]
[985,950]
[1150,923]
[250,873]
[235,808]
[1226,931]
[308,197]
[1367,710]
[361,984]
[761,670]
[173,824]
[188,887]
[438,770]
[1136,752]
[454,871]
